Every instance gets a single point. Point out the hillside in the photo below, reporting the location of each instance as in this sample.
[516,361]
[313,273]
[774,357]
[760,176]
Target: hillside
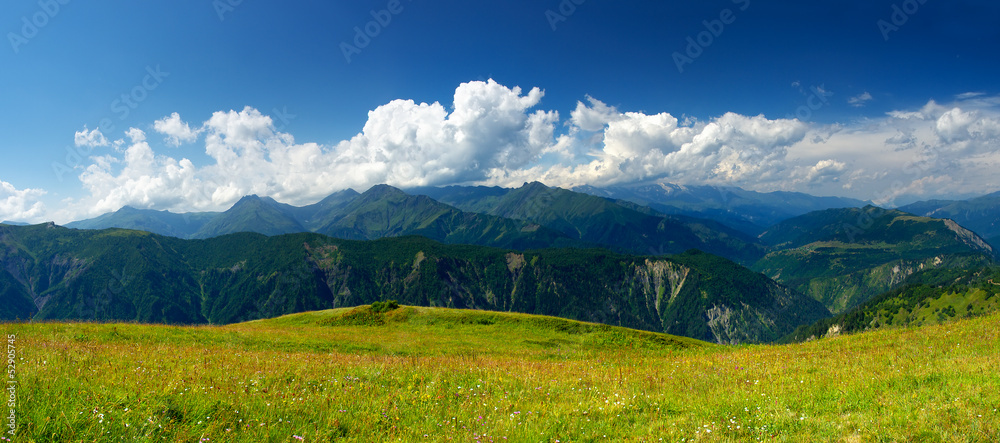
[314,216]
[384,211]
[431,374]
[980,214]
[252,214]
[926,298]
[843,257]
[136,276]
[601,221]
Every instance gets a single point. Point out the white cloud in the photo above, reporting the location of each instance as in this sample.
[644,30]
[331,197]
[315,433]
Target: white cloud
[176,130]
[90,139]
[822,171]
[954,125]
[957,125]
[638,147]
[136,135]
[20,205]
[407,144]
[594,117]
[914,154]
[860,100]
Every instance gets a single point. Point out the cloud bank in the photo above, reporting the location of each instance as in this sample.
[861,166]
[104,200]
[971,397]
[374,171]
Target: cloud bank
[20,204]
[497,135]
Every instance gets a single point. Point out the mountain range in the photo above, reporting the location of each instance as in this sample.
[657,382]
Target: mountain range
[52,273]
[749,211]
[838,257]
[531,217]
[602,221]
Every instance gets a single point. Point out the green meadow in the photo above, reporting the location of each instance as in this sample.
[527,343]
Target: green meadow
[430,374]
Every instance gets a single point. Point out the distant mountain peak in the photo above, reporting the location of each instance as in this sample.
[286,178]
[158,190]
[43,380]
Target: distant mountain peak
[254,199]
[383,189]
[250,197]
[671,188]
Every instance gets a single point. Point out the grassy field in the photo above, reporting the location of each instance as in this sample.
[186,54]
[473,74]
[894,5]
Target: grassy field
[422,374]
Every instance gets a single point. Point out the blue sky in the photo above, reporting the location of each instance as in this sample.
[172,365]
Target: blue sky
[835,98]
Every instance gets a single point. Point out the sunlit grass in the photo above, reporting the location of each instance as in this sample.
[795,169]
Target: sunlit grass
[439,375]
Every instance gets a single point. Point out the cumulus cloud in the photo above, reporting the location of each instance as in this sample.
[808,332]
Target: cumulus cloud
[175,130]
[957,125]
[90,139]
[594,117]
[638,147]
[20,204]
[491,127]
[822,171]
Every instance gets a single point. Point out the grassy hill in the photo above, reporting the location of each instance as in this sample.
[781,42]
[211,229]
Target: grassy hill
[430,374]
